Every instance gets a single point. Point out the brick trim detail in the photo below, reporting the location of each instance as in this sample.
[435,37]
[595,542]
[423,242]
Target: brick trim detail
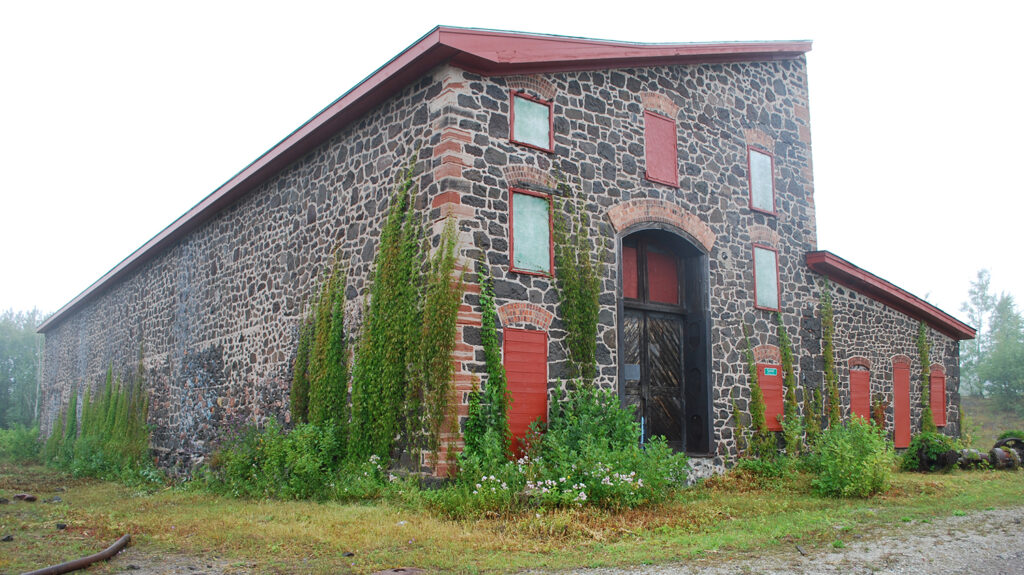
[529,177]
[901,360]
[937,367]
[760,234]
[659,103]
[755,137]
[523,314]
[768,354]
[859,361]
[534,84]
[646,210]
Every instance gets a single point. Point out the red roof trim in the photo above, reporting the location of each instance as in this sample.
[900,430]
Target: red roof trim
[479,51]
[846,274]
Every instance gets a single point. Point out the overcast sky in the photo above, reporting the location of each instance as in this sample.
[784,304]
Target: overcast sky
[117,117]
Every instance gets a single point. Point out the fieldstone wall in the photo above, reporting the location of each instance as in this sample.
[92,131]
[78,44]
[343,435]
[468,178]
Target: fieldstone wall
[215,316]
[868,334]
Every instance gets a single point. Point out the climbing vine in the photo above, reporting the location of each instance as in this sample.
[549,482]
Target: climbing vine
[486,432]
[381,375]
[299,396]
[762,441]
[578,281]
[924,354]
[792,424]
[828,330]
[441,300]
[328,356]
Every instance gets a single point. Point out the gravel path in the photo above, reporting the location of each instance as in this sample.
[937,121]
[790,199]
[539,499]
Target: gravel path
[984,543]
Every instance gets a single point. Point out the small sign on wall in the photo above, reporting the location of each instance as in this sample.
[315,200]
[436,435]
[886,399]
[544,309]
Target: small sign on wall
[771,371]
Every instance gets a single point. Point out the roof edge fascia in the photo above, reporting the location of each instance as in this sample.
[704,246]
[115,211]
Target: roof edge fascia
[866,283]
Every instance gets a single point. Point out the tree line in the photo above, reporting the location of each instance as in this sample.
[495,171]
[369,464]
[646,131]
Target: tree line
[992,364]
[20,354]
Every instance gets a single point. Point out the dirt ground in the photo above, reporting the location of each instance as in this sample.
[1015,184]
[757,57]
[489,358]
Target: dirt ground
[984,543]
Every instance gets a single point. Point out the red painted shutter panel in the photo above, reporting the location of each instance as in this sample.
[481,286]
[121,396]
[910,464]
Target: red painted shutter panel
[937,397]
[662,277]
[771,388]
[660,149]
[630,288]
[526,369]
[901,405]
[860,393]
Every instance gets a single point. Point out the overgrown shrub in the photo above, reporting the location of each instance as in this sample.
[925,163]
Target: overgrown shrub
[20,444]
[853,460]
[929,451]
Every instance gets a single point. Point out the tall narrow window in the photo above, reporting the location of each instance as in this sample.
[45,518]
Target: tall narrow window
[762,180]
[769,377]
[526,366]
[766,277]
[901,403]
[937,395]
[660,149]
[860,392]
[531,122]
[531,233]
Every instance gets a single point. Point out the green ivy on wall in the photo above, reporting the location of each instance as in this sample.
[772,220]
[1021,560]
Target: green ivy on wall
[828,330]
[578,281]
[924,356]
[792,423]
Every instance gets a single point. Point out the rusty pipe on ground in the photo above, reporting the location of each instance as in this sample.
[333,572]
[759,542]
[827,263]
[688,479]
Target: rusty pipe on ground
[84,561]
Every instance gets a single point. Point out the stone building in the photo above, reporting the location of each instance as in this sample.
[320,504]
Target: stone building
[693,161]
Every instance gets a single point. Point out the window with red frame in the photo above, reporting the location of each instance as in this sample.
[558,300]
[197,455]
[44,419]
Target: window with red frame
[531,245]
[526,368]
[860,392]
[531,122]
[766,277]
[761,171]
[660,149]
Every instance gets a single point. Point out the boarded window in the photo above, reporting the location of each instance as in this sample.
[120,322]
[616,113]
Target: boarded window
[762,186]
[769,377]
[860,393]
[766,278]
[526,369]
[531,122]
[662,276]
[661,149]
[901,405]
[531,233]
[937,396]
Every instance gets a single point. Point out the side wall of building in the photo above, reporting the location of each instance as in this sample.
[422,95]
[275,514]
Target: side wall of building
[215,316]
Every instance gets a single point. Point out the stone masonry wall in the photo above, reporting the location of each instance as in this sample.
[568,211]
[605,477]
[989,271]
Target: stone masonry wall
[216,315]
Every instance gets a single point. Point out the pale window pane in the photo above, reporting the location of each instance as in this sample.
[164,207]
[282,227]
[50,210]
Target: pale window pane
[767,282]
[533,123]
[761,181]
[531,233]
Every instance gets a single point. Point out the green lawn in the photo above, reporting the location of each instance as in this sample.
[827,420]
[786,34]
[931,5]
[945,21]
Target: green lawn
[723,517]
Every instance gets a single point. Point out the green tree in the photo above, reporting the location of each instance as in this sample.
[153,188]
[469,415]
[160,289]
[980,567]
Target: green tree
[1002,367]
[20,348]
[978,307]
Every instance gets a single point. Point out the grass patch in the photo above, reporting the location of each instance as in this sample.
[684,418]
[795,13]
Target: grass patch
[723,517]
[989,417]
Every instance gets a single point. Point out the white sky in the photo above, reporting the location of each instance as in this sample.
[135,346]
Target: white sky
[117,117]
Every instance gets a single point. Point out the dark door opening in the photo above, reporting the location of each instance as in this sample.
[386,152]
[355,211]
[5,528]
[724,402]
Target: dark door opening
[664,362]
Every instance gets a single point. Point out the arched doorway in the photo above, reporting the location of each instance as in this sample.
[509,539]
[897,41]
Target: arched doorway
[664,329]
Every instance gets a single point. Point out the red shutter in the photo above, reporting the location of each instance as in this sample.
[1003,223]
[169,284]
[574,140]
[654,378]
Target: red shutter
[526,368]
[937,396]
[662,277]
[769,377]
[661,149]
[901,405]
[860,393]
[629,273]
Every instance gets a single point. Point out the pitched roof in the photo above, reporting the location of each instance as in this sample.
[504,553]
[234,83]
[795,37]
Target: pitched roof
[862,281]
[485,52]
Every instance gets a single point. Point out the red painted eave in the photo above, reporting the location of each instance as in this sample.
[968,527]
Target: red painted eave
[848,275]
[480,51]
